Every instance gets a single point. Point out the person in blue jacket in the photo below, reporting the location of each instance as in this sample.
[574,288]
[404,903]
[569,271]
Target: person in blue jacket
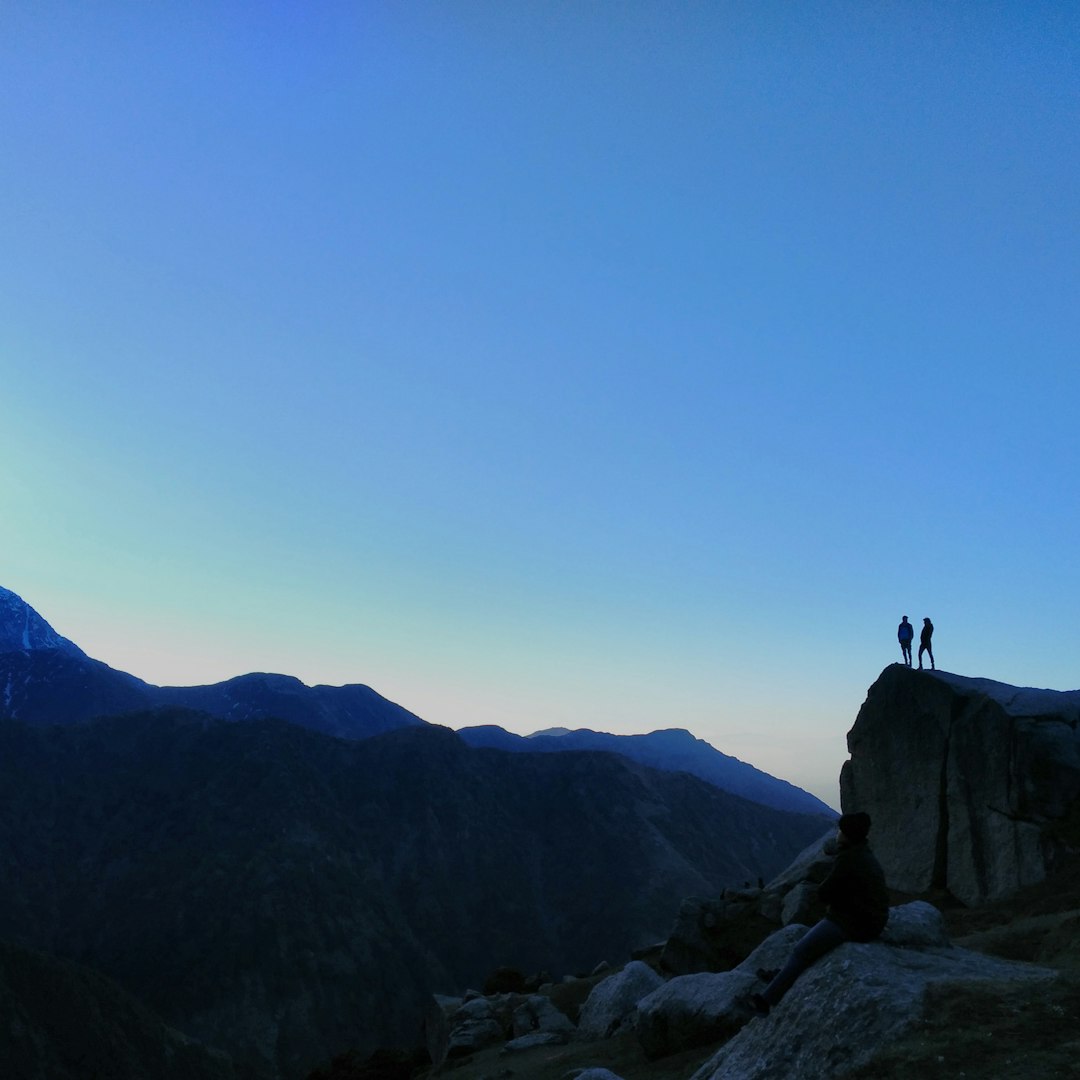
[904,634]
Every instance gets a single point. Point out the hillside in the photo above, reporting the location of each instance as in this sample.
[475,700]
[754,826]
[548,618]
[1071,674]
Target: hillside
[280,893]
[59,1021]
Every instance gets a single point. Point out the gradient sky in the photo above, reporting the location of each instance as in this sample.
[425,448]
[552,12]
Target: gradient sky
[612,365]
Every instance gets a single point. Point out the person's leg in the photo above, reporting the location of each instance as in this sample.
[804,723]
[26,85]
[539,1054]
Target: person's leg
[815,943]
[922,649]
[931,652]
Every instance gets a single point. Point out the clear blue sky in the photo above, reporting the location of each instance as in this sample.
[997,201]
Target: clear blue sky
[619,365]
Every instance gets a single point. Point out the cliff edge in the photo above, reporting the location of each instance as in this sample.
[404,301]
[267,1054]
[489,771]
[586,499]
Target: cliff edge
[973,785]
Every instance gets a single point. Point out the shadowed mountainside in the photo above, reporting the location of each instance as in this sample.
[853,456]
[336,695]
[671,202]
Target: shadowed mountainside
[60,1021]
[280,893]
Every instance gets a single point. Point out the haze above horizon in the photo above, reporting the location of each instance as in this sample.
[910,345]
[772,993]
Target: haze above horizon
[626,367]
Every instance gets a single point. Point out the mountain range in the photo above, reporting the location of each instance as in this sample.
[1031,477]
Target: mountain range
[46,679]
[282,892]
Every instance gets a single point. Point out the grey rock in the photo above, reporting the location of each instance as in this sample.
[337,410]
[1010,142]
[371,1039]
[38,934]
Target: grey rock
[474,1008]
[773,951]
[691,1010]
[534,1039]
[973,785]
[596,1074]
[918,925]
[810,866]
[612,1002]
[847,1006]
[692,943]
[538,1014]
[801,905]
[473,1035]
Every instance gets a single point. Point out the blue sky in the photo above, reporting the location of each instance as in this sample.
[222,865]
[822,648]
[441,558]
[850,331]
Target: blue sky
[612,365]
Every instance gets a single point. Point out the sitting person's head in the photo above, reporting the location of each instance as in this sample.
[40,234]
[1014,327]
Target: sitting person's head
[853,828]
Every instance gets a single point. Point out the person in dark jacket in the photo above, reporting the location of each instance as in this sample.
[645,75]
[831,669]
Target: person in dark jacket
[924,642]
[904,633]
[858,908]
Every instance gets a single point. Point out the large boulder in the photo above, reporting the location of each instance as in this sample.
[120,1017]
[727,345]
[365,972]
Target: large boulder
[973,785]
[854,1001]
[612,1002]
[691,1010]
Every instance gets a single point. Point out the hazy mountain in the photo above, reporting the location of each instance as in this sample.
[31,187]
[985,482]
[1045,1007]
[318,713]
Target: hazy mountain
[283,894]
[673,749]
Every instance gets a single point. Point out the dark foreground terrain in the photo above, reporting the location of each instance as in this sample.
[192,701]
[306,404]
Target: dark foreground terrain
[1011,1033]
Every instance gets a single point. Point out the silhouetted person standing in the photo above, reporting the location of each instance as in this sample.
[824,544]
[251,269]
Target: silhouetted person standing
[924,643]
[904,634]
[858,908]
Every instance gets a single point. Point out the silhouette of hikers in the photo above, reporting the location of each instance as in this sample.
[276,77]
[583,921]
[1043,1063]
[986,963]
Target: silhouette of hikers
[904,633]
[924,642]
[858,908]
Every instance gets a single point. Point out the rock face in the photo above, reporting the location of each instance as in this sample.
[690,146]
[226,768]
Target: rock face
[973,785]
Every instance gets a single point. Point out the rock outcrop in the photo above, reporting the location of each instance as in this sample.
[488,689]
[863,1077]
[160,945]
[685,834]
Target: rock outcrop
[973,785]
[855,1001]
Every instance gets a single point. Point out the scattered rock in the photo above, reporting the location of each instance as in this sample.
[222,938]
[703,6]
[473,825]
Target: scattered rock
[538,1014]
[801,905]
[612,1002]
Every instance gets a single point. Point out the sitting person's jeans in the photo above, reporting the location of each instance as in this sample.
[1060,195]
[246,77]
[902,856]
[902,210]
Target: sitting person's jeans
[815,943]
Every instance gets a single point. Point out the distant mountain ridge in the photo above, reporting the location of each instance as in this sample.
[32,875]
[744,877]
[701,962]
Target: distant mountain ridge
[45,680]
[672,749]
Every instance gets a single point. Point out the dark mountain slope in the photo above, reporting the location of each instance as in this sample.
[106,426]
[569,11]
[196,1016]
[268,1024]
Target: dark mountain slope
[283,894]
[59,1021]
[673,749]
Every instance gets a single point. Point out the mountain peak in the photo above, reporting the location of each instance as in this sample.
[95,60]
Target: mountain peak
[22,629]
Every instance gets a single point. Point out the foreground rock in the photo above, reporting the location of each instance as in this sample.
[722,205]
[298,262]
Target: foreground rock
[851,1004]
[973,785]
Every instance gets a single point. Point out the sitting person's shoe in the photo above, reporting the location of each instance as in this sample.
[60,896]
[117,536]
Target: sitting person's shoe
[759,1004]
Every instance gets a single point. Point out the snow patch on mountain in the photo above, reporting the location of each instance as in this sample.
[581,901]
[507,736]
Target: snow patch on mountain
[22,629]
